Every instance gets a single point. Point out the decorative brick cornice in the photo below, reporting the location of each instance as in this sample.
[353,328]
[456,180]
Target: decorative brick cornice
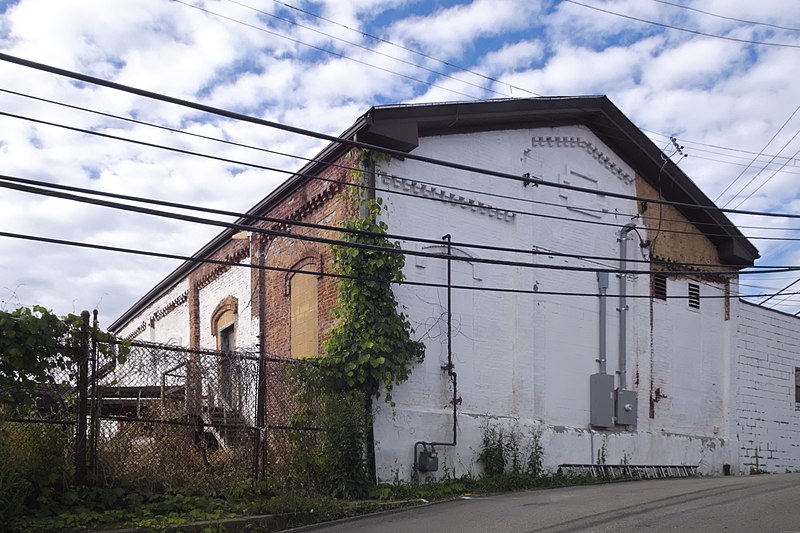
[576,142]
[234,256]
[312,204]
[137,331]
[453,199]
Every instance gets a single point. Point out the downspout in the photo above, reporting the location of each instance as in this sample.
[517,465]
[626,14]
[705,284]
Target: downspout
[623,304]
[449,367]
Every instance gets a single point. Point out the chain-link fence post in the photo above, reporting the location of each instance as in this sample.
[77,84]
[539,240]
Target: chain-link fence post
[84,349]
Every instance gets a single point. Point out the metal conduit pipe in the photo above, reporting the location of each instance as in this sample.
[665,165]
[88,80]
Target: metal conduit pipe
[602,283]
[623,304]
[449,367]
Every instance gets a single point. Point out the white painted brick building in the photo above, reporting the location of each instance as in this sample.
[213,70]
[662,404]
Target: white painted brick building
[715,378]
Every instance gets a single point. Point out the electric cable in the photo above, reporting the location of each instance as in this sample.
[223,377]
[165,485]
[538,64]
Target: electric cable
[687,30]
[194,259]
[512,87]
[348,167]
[754,160]
[358,144]
[351,43]
[325,50]
[351,168]
[366,246]
[689,8]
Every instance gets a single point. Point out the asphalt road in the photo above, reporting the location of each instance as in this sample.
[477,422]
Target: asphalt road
[766,503]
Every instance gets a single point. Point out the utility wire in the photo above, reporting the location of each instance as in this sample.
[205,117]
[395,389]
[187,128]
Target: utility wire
[719,147]
[351,168]
[357,169]
[372,247]
[407,49]
[766,180]
[755,159]
[40,188]
[325,50]
[357,45]
[789,286]
[195,259]
[687,30]
[358,144]
[681,6]
[466,203]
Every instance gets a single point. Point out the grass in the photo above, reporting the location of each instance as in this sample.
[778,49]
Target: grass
[115,508]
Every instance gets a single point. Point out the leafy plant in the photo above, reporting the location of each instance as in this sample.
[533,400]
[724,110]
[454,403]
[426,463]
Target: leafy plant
[39,348]
[371,345]
[507,452]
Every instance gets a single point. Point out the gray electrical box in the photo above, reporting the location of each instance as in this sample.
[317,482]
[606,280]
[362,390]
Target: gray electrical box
[428,461]
[601,397]
[627,403]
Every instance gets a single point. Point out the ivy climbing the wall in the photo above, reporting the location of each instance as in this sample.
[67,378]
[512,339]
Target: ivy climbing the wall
[370,349]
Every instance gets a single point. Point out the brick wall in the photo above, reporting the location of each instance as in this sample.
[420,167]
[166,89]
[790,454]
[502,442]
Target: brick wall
[767,417]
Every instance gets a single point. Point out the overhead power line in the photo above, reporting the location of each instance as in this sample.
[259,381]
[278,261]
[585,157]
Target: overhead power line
[412,283]
[409,194]
[358,144]
[402,47]
[365,246]
[417,179]
[687,30]
[717,15]
[325,50]
[756,159]
[40,188]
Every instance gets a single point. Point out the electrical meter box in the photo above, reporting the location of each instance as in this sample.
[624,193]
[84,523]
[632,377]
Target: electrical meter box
[627,403]
[428,461]
[601,397]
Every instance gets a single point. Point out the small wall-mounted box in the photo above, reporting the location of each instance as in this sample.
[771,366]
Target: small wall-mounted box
[627,404]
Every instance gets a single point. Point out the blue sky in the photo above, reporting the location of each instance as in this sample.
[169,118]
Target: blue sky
[724,100]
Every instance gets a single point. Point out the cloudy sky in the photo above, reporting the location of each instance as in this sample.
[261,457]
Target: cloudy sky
[728,89]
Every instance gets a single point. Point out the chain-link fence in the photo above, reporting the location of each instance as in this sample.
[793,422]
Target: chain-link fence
[168,417]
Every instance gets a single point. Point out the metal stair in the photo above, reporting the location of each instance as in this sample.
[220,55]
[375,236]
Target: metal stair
[629,471]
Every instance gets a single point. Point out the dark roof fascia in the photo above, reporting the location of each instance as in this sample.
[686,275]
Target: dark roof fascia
[600,115]
[327,155]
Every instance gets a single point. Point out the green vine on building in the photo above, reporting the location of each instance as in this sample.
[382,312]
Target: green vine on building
[371,347]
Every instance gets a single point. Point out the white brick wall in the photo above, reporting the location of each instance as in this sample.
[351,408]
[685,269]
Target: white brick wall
[767,419]
[525,360]
[233,282]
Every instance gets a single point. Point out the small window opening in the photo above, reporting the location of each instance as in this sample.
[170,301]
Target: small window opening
[797,385]
[694,296]
[659,282]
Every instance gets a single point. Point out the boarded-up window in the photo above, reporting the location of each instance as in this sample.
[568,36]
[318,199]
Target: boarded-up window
[304,325]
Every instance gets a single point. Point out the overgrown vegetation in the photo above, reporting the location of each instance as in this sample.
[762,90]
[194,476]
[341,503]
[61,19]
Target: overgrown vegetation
[370,346]
[368,352]
[508,451]
[38,354]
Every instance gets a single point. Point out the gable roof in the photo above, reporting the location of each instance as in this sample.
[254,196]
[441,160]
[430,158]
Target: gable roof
[399,127]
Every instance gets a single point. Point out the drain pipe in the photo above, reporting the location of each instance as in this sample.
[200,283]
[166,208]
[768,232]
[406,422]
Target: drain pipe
[623,304]
[449,367]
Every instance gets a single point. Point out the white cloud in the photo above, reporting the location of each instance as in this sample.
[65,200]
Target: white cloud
[701,89]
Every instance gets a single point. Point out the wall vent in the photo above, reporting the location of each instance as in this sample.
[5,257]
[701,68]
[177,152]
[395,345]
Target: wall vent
[659,286]
[694,296]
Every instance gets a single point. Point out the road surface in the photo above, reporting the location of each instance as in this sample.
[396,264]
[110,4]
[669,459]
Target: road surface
[768,503]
